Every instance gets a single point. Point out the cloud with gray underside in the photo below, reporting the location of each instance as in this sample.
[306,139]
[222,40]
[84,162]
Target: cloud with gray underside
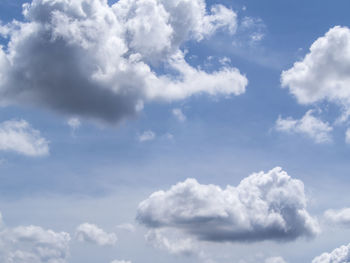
[89,59]
[264,206]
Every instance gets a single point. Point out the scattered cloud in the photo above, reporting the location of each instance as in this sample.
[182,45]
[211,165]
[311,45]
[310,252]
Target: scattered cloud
[120,261]
[224,61]
[250,31]
[18,136]
[74,123]
[179,115]
[338,217]
[308,125]
[92,234]
[147,136]
[338,255]
[264,206]
[99,61]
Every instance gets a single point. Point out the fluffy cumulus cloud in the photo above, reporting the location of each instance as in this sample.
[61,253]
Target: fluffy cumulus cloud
[264,206]
[338,255]
[33,244]
[20,137]
[99,61]
[338,217]
[91,233]
[308,125]
[324,73]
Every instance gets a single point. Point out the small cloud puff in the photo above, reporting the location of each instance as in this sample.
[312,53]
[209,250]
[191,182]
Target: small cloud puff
[20,137]
[74,123]
[308,125]
[338,217]
[146,136]
[93,234]
[179,115]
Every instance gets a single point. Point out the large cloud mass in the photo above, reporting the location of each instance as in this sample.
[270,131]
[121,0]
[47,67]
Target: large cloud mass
[264,206]
[92,59]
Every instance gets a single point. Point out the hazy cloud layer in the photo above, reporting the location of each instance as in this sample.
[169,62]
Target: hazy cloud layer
[338,255]
[89,59]
[93,234]
[264,206]
[308,125]
[20,137]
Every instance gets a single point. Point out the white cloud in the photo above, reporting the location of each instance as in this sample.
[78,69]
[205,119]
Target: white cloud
[33,244]
[147,136]
[93,60]
[179,114]
[120,261]
[338,255]
[323,74]
[91,233]
[74,123]
[308,125]
[275,260]
[264,206]
[20,137]
[165,240]
[338,217]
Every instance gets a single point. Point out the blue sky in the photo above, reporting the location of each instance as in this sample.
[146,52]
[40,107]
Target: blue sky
[76,147]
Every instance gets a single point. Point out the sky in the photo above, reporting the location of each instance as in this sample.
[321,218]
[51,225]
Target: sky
[174,131]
